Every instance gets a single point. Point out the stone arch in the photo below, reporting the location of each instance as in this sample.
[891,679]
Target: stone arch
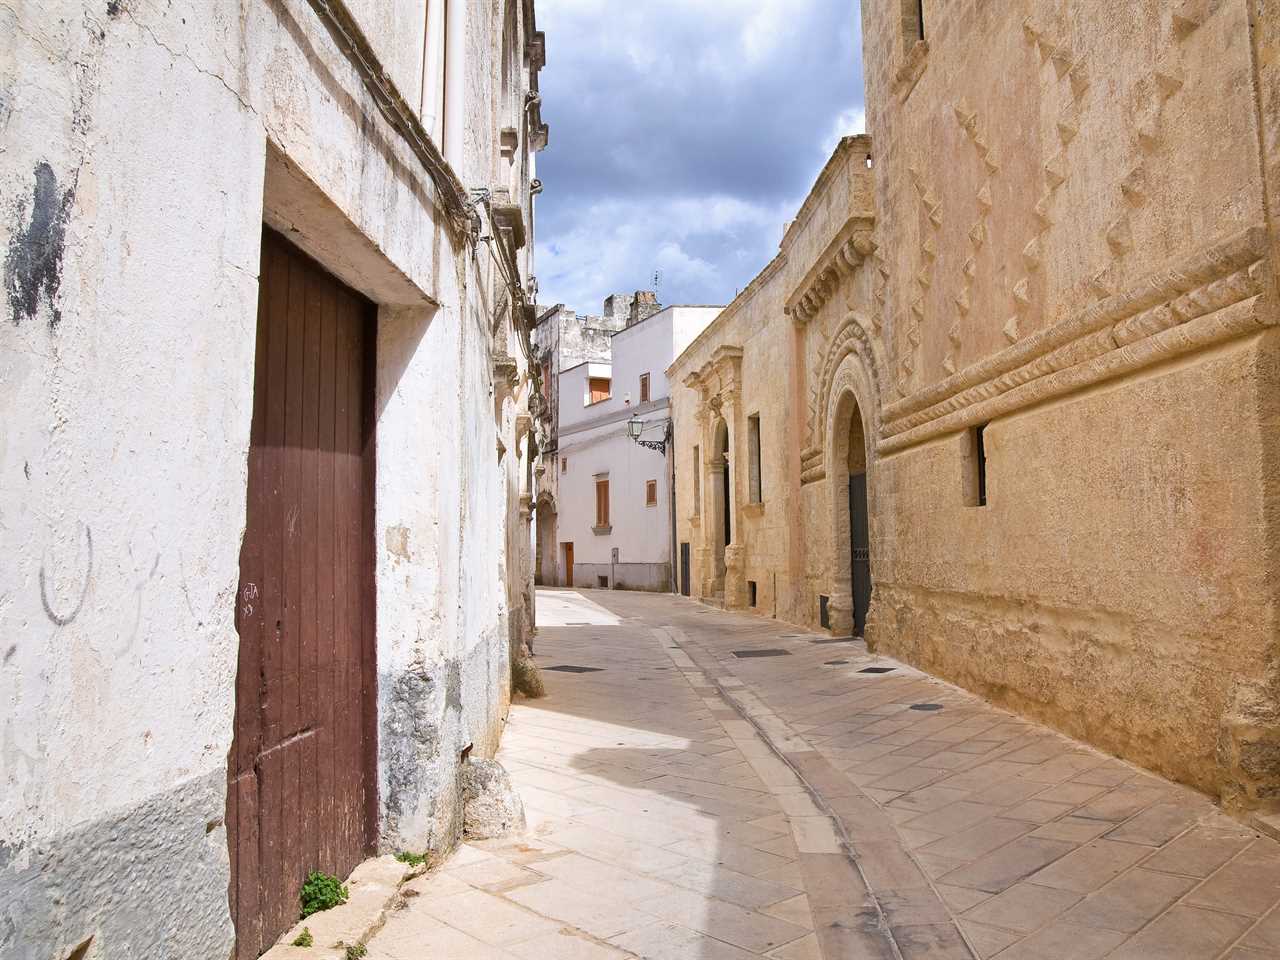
[546,549]
[850,339]
[851,416]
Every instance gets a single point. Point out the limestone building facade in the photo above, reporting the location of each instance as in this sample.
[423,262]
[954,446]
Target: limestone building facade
[1025,436]
[265,473]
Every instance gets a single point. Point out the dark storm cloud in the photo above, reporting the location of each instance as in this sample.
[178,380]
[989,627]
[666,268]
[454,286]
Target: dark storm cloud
[683,135]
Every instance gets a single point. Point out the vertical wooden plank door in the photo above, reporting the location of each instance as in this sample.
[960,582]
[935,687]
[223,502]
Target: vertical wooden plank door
[568,564]
[301,792]
[860,548]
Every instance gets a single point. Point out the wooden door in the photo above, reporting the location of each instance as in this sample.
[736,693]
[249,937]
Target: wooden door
[860,548]
[301,792]
[568,564]
[684,569]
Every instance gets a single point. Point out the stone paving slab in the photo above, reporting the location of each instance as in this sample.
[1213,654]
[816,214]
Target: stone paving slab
[688,804]
[1032,845]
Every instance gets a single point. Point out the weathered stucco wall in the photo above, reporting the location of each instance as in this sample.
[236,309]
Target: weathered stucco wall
[1070,245]
[144,148]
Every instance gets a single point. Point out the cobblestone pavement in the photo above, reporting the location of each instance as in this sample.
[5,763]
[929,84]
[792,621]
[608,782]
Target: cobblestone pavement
[717,786]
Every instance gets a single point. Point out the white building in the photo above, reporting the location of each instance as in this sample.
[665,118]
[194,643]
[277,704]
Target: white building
[264,477]
[614,513]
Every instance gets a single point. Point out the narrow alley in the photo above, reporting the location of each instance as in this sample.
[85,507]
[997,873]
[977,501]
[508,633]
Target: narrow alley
[702,785]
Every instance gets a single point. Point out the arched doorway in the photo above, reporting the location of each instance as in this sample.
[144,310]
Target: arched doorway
[859,525]
[722,522]
[851,572]
[544,564]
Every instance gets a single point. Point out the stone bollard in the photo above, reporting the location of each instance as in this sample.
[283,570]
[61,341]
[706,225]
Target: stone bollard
[490,805]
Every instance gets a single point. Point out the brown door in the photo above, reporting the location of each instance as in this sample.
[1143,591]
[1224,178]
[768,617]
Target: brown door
[568,564]
[301,792]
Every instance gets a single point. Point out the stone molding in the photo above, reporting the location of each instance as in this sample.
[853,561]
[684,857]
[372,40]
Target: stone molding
[911,70]
[1210,297]
[719,378]
[850,338]
[843,256]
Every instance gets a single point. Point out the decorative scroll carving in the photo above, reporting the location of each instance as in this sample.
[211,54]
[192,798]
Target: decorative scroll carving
[842,257]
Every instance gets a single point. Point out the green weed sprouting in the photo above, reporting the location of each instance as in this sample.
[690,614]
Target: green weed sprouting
[412,859]
[304,939]
[321,892]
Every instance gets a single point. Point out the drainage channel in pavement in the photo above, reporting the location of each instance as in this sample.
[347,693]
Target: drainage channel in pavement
[845,841]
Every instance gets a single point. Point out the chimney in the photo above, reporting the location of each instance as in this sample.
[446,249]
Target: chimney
[643,306]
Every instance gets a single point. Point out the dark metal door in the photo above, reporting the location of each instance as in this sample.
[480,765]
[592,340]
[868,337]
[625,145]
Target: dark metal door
[301,792]
[684,569]
[860,545]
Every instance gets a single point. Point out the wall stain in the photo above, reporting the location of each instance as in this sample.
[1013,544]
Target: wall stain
[33,266]
[62,619]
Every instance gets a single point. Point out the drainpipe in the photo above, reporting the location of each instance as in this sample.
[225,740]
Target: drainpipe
[455,80]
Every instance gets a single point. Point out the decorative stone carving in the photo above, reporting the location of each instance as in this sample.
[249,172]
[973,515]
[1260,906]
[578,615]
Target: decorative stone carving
[851,337]
[842,257]
[1210,297]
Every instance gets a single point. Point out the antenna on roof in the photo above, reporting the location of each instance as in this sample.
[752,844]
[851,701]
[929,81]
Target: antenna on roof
[657,280]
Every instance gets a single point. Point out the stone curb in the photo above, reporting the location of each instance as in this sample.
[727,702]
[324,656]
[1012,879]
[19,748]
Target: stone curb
[375,889]
[860,926]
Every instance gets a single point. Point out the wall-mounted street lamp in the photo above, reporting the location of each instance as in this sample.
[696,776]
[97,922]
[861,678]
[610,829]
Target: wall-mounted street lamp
[636,426]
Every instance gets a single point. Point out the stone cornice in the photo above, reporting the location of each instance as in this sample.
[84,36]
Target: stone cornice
[842,256]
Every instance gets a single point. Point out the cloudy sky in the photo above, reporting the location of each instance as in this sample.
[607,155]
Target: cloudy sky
[684,134]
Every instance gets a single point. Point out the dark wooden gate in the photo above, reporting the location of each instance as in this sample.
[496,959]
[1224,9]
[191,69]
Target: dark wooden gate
[301,794]
[728,504]
[684,569]
[860,546]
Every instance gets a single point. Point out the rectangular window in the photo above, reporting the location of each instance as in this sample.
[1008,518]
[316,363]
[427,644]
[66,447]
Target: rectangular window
[564,464]
[697,482]
[651,493]
[981,450]
[602,582]
[644,388]
[602,502]
[753,457]
[975,467]
[599,387]
[546,381]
